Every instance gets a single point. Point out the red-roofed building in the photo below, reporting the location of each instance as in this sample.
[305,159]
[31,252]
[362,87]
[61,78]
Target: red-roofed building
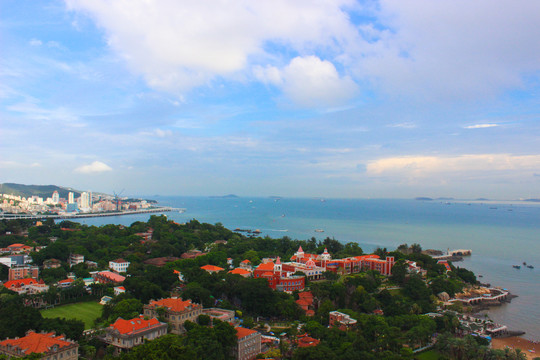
[109,277]
[279,278]
[119,290]
[65,283]
[445,264]
[19,248]
[212,268]
[305,302]
[46,344]
[249,343]
[246,264]
[177,312]
[242,272]
[125,334]
[306,341]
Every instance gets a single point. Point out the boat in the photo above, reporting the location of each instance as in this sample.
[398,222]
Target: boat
[480,275]
[319,230]
[524,263]
[530,266]
[516,266]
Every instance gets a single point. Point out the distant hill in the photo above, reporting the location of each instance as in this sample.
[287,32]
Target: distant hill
[423,198]
[230,196]
[43,191]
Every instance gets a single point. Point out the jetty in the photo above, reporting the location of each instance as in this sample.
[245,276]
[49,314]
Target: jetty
[88,215]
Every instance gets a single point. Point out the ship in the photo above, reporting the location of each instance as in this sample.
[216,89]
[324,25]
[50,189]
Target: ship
[530,266]
[319,230]
[516,266]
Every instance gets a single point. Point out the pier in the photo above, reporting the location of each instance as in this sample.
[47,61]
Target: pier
[88,215]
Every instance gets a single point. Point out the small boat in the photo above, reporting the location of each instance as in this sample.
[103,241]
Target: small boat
[480,275]
[524,263]
[516,266]
[530,266]
[319,230]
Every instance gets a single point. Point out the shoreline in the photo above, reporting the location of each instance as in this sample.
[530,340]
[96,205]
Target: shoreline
[517,342]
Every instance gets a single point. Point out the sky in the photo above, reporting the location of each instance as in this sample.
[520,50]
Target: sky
[304,98]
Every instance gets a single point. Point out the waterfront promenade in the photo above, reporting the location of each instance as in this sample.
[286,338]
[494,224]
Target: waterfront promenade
[88,215]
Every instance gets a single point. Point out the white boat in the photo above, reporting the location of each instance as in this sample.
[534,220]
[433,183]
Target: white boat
[319,230]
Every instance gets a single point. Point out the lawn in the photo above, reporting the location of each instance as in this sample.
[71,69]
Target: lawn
[428,355]
[85,311]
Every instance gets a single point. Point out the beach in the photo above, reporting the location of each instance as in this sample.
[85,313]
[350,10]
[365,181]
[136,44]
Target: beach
[516,342]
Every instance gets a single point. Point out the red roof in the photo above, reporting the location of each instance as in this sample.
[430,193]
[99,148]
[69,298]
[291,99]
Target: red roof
[242,332]
[134,325]
[245,261]
[119,261]
[66,281]
[37,343]
[307,341]
[177,305]
[212,268]
[15,246]
[112,276]
[269,266]
[19,283]
[240,271]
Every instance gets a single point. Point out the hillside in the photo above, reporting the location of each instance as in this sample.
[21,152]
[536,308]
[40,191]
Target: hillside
[44,191]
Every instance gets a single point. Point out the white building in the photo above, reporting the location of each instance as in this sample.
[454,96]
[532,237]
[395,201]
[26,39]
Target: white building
[71,200]
[55,197]
[119,265]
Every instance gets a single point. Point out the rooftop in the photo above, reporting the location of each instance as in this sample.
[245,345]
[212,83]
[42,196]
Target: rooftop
[37,342]
[242,332]
[133,325]
[173,304]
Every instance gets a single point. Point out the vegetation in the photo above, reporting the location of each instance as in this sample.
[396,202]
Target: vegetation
[402,298]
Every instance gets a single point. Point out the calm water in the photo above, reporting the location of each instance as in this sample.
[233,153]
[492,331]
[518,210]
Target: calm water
[500,235]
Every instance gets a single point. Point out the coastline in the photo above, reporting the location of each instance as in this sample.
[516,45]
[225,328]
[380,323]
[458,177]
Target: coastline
[517,342]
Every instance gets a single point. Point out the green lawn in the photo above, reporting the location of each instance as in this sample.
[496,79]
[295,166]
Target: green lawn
[85,311]
[428,355]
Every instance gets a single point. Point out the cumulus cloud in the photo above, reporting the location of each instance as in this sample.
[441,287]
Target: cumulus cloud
[310,81]
[420,48]
[95,167]
[481,126]
[179,45]
[35,42]
[424,166]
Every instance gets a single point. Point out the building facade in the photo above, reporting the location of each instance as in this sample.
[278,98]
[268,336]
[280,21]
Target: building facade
[119,265]
[278,278]
[249,344]
[177,312]
[125,334]
[22,272]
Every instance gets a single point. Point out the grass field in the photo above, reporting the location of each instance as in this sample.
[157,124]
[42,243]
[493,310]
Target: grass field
[85,311]
[428,355]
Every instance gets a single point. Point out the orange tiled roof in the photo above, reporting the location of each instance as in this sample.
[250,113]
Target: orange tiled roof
[37,343]
[66,281]
[20,282]
[240,271]
[245,261]
[212,268]
[269,266]
[307,341]
[242,332]
[177,305]
[15,245]
[112,276]
[133,325]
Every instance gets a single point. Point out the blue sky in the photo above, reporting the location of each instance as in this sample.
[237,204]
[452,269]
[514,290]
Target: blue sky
[334,98]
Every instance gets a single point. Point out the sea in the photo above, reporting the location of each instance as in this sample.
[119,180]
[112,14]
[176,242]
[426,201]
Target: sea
[500,234]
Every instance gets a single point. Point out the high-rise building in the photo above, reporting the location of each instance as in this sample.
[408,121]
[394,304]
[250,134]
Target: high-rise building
[70,198]
[55,197]
[84,201]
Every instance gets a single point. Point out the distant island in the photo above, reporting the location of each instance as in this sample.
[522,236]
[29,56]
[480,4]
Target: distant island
[229,196]
[423,198]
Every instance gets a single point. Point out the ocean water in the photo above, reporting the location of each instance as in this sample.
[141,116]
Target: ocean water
[499,234]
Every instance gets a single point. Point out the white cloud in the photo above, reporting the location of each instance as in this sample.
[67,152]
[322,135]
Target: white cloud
[471,165]
[35,42]
[310,81]
[179,45]
[453,48]
[480,126]
[95,167]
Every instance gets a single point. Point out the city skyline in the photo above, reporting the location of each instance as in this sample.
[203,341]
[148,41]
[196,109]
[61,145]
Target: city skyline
[299,99]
